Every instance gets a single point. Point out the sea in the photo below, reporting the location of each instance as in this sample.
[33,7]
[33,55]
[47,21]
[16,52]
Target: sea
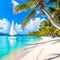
[10,43]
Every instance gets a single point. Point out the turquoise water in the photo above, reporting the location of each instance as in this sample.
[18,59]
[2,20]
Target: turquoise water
[9,43]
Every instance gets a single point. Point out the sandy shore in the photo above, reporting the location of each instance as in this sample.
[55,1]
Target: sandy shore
[46,49]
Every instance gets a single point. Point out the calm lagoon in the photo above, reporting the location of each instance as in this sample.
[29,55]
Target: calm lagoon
[10,43]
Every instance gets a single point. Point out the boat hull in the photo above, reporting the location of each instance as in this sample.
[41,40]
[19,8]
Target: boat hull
[12,40]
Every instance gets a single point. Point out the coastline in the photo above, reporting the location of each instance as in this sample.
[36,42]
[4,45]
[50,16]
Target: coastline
[36,51]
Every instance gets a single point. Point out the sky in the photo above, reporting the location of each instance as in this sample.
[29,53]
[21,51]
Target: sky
[7,15]
[6,11]
[32,26]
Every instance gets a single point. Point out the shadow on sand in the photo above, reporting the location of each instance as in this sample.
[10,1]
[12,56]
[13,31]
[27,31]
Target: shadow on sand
[54,56]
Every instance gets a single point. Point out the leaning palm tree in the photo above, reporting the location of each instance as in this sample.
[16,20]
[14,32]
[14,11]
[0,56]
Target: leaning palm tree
[35,4]
[56,10]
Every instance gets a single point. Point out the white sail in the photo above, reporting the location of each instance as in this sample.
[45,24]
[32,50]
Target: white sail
[12,29]
[12,39]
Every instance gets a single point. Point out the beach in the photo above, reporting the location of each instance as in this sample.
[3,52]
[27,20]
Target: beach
[46,49]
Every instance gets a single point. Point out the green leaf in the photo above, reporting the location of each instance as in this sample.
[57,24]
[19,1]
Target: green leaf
[30,1]
[42,13]
[30,15]
[22,7]
[52,10]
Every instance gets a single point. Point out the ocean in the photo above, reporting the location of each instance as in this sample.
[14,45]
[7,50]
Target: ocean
[10,43]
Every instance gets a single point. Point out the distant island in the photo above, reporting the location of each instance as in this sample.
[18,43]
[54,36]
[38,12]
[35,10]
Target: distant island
[2,34]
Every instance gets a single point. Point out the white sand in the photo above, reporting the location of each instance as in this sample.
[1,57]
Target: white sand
[46,49]
[49,49]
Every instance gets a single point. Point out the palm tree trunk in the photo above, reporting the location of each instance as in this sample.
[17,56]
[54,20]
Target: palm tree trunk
[51,19]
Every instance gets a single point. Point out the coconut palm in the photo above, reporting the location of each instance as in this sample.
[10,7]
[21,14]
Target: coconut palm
[46,25]
[35,4]
[56,10]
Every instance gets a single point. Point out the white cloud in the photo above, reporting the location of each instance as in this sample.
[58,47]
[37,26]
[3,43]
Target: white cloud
[18,28]
[4,25]
[32,25]
[14,3]
[38,12]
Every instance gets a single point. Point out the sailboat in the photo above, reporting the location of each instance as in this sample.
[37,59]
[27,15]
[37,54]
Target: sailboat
[12,29]
[13,33]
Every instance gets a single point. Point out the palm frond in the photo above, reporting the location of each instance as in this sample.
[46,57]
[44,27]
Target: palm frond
[30,1]
[42,13]
[51,1]
[58,4]
[53,10]
[22,7]
[30,15]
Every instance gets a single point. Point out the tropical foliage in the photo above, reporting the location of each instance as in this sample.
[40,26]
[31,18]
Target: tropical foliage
[57,31]
[41,4]
[55,11]
[46,29]
[50,27]
[31,15]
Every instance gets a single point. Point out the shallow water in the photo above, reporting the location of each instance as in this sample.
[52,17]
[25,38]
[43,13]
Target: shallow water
[10,43]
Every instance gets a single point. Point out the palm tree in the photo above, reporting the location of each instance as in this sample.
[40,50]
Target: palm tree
[35,4]
[56,10]
[46,25]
